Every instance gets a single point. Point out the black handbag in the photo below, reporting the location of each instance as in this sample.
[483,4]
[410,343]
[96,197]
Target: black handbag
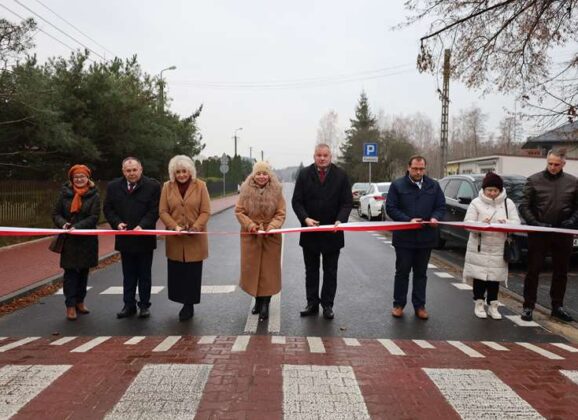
[512,253]
[57,243]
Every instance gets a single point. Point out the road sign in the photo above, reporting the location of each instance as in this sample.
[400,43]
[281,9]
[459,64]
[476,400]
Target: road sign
[224,160]
[224,168]
[370,152]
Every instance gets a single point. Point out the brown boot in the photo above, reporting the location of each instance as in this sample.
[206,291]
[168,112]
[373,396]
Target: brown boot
[82,309]
[71,313]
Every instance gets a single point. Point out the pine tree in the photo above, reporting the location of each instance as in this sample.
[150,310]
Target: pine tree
[363,129]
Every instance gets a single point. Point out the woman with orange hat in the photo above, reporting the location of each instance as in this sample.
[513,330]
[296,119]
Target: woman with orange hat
[78,207]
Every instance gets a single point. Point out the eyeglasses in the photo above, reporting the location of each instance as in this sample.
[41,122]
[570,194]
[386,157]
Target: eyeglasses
[79,177]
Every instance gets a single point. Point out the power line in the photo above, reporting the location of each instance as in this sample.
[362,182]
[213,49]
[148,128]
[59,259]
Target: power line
[59,30]
[42,30]
[76,28]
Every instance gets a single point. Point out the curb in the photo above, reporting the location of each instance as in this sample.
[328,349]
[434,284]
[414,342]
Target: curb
[57,277]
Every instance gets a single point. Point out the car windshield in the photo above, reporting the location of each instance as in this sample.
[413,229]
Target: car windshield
[383,188]
[514,188]
[360,186]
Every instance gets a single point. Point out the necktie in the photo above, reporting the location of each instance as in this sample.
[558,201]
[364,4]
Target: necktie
[131,186]
[322,175]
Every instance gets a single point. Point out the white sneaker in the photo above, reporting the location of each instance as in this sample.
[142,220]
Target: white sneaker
[479,309]
[493,310]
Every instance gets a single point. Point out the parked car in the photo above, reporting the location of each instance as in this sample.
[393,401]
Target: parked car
[372,203]
[460,190]
[357,190]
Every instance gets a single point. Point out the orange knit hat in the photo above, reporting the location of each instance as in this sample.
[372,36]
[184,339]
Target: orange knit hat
[79,169]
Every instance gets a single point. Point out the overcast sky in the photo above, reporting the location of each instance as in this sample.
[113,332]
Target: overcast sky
[272,68]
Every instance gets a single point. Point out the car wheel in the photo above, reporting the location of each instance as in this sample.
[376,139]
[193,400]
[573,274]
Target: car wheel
[359,212]
[382,215]
[369,215]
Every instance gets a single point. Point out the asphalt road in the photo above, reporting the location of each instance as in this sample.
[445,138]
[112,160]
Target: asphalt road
[362,305]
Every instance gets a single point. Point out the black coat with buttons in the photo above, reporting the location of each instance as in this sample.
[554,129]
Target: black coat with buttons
[137,208]
[78,251]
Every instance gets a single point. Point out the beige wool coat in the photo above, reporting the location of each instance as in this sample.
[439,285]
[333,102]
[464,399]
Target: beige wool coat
[192,211]
[263,208]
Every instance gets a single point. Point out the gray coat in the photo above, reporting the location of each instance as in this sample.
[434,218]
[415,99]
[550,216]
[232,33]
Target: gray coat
[78,251]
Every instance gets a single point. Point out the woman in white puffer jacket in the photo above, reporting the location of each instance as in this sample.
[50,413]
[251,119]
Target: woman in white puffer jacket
[484,263]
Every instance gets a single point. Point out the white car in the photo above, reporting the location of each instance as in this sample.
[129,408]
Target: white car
[372,204]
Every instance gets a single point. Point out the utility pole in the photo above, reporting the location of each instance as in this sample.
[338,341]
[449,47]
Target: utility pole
[445,98]
[262,155]
[250,153]
[235,138]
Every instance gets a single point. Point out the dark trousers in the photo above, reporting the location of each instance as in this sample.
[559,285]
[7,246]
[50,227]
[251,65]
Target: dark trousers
[74,287]
[329,288]
[410,259]
[136,270]
[560,246]
[481,286]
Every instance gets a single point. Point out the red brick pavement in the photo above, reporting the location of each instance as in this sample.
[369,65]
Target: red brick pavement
[248,385]
[30,263]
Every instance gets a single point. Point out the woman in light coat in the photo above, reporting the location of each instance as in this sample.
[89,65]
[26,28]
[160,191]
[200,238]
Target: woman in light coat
[261,207]
[484,263]
[185,206]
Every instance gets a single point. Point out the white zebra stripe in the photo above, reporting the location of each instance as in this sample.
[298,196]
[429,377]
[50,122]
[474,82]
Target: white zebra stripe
[351,342]
[134,340]
[167,343]
[565,347]
[391,347]
[62,341]
[424,344]
[315,345]
[89,345]
[207,339]
[241,343]
[495,346]
[18,343]
[466,349]
[542,352]
[278,339]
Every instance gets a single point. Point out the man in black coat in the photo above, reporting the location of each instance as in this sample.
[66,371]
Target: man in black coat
[322,196]
[414,198]
[132,203]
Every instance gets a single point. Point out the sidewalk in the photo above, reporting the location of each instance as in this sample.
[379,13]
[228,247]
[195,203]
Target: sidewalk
[27,266]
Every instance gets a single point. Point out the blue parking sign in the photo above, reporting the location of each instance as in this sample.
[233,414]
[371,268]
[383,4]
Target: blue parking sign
[370,152]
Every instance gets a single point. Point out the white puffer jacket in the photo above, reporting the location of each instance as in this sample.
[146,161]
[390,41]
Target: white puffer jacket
[485,251]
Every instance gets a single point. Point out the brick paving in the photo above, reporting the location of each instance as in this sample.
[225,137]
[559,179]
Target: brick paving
[274,381]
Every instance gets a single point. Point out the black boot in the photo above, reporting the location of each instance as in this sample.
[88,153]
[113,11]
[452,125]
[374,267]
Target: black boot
[187,312]
[257,308]
[264,313]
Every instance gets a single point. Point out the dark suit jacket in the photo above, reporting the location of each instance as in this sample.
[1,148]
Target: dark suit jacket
[406,201]
[139,208]
[327,202]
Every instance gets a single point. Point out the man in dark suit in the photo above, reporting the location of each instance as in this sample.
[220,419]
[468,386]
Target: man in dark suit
[414,198]
[322,196]
[132,203]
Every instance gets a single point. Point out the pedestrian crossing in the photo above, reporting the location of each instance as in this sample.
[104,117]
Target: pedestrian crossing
[172,386]
[155,290]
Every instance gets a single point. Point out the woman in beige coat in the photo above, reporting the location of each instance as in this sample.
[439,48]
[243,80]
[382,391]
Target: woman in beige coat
[261,207]
[185,206]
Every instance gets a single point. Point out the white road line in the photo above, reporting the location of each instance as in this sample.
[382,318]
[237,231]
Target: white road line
[351,342]
[167,343]
[207,339]
[241,343]
[62,341]
[571,374]
[118,290]
[89,345]
[170,391]
[517,319]
[3,338]
[468,390]
[226,288]
[18,343]
[322,392]
[274,323]
[278,339]
[462,286]
[134,340]
[61,291]
[252,320]
[495,346]
[547,354]
[424,344]
[391,347]
[386,242]
[432,266]
[466,349]
[443,275]
[19,384]
[565,347]
[315,345]
[377,235]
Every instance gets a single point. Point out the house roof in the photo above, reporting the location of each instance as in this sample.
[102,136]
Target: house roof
[566,133]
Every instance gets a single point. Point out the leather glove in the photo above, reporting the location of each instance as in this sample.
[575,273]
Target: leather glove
[568,224]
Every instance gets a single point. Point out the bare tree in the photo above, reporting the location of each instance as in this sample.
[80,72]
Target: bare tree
[505,45]
[474,127]
[15,39]
[329,133]
[507,134]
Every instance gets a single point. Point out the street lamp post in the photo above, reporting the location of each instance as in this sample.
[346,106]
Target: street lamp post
[162,88]
[235,138]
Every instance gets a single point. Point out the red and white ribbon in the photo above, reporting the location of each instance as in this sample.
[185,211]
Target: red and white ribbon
[345,227]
